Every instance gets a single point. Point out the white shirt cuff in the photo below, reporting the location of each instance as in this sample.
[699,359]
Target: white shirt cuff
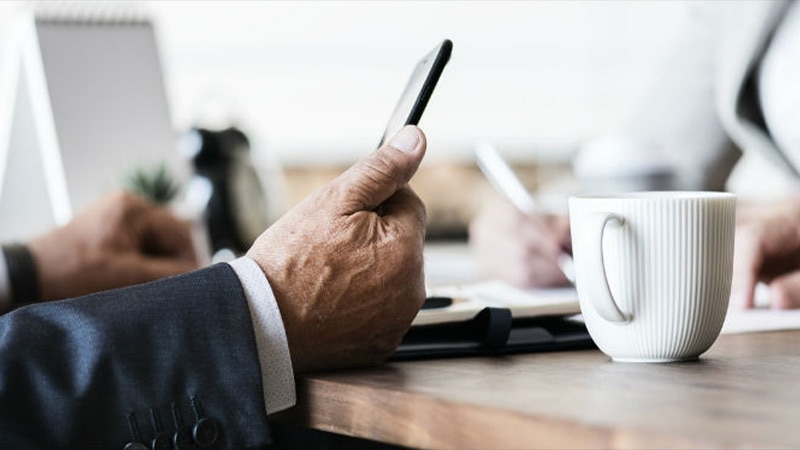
[273,347]
[5,285]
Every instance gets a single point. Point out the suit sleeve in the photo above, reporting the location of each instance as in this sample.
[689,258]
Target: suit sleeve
[152,362]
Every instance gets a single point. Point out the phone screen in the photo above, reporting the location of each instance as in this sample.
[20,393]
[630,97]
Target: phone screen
[418,90]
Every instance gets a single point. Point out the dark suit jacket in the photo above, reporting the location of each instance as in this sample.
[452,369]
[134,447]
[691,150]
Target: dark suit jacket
[115,367]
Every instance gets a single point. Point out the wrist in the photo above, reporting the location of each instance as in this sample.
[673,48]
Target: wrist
[22,273]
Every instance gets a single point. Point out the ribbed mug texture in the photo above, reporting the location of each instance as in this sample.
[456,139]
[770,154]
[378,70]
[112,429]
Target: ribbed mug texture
[668,266]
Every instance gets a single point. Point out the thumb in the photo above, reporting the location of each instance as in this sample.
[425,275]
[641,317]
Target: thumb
[375,178]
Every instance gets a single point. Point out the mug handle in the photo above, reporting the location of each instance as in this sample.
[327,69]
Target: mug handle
[603,300]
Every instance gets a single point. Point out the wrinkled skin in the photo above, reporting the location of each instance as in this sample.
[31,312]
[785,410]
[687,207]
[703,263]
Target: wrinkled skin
[346,264]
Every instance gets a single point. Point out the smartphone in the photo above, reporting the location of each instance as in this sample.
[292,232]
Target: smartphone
[418,90]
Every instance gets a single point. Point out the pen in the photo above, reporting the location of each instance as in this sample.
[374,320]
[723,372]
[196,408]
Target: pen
[437,302]
[503,179]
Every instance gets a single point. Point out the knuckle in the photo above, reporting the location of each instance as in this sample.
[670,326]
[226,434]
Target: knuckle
[127,201]
[127,198]
[421,212]
[780,295]
[415,205]
[334,196]
[380,169]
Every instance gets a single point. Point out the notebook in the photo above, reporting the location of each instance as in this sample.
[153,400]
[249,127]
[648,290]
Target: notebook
[492,318]
[85,106]
[471,298]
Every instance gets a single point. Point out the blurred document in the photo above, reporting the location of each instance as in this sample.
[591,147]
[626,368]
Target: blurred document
[760,319]
[451,271]
[449,264]
[469,299]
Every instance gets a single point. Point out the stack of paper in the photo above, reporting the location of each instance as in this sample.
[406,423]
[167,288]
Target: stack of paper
[471,298]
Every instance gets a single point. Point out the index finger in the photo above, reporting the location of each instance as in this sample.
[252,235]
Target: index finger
[747,259]
[405,211]
[162,233]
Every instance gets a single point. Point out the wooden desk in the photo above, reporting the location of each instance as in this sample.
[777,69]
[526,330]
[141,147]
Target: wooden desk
[744,392]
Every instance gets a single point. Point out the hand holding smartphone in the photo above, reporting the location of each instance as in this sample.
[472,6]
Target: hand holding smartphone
[418,90]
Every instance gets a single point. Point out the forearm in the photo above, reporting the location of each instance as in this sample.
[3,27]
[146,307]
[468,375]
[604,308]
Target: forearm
[77,371]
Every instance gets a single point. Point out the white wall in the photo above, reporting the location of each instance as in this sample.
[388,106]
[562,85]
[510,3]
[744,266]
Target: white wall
[315,82]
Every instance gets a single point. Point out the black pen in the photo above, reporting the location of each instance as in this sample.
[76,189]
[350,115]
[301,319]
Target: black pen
[437,302]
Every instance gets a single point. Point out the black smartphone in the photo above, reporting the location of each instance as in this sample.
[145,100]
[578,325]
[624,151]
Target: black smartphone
[418,90]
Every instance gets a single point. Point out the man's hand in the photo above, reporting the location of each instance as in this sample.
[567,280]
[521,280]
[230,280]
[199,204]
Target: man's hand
[119,241]
[768,250]
[520,249]
[346,263]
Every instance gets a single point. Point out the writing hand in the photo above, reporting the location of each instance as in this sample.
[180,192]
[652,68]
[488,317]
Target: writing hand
[521,249]
[767,249]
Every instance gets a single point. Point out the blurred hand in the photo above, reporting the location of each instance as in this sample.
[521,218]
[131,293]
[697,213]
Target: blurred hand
[346,263]
[518,248]
[119,241]
[767,249]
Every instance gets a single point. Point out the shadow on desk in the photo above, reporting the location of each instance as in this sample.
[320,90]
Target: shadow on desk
[293,437]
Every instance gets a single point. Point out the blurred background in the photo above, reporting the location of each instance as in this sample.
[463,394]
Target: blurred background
[316,81]
[312,84]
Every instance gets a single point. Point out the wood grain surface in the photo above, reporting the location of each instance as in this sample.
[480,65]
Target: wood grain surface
[743,393]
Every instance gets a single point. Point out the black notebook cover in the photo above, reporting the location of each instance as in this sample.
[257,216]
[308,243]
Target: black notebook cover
[492,332]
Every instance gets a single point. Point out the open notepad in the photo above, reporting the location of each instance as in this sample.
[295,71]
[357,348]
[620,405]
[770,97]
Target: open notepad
[470,299]
[488,318]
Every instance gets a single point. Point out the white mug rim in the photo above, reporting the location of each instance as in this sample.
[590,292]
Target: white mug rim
[657,195]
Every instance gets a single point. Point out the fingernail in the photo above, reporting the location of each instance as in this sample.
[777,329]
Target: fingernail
[406,140]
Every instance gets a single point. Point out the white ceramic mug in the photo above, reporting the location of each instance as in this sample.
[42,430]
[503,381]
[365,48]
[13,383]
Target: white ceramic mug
[653,271]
